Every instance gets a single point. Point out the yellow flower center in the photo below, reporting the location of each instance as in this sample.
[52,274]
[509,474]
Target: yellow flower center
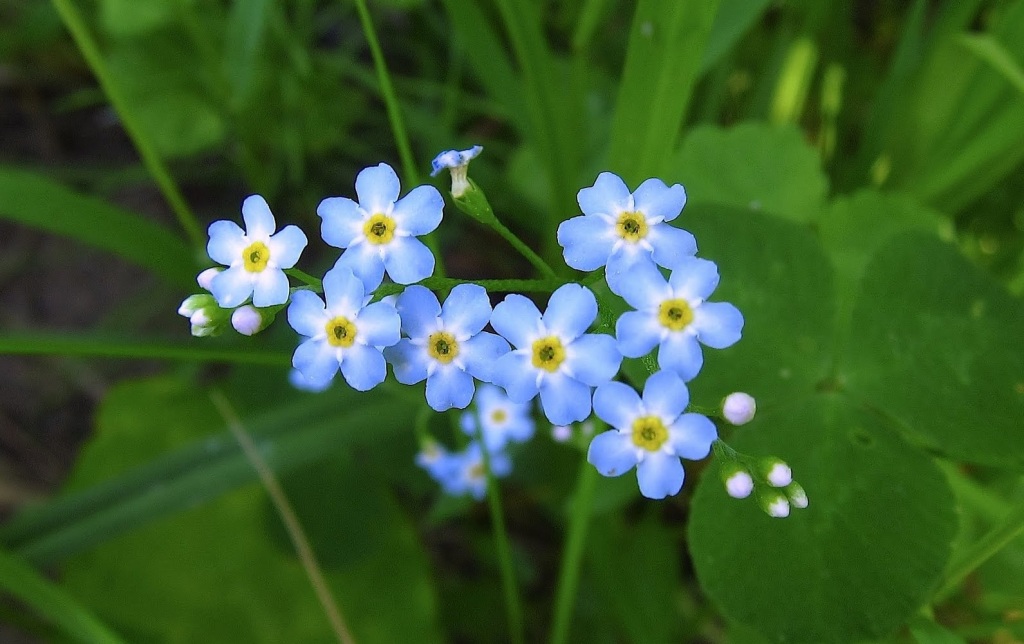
[675,314]
[476,471]
[548,354]
[379,229]
[649,433]
[341,332]
[499,416]
[256,255]
[442,346]
[632,226]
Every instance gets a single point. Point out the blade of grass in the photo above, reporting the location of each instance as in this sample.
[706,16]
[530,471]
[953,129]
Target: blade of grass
[41,203]
[989,50]
[48,600]
[95,346]
[666,46]
[74,22]
[733,19]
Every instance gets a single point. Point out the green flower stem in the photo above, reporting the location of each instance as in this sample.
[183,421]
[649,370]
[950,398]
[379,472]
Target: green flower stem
[513,610]
[394,111]
[572,556]
[105,347]
[546,285]
[150,158]
[287,515]
[1011,526]
[306,278]
[523,249]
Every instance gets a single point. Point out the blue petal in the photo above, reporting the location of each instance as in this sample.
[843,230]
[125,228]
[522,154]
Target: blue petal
[232,287]
[377,188]
[665,394]
[420,211]
[408,260]
[259,221]
[343,291]
[595,359]
[467,309]
[286,246]
[564,400]
[363,367]
[409,362]
[378,325]
[659,475]
[449,387]
[516,318]
[681,353]
[270,288]
[480,354]
[306,314]
[718,324]
[226,242]
[419,309]
[644,287]
[671,245]
[516,376]
[586,242]
[367,264]
[622,263]
[658,201]
[316,361]
[692,435]
[342,221]
[571,310]
[637,333]
[609,196]
[612,453]
[617,404]
[694,279]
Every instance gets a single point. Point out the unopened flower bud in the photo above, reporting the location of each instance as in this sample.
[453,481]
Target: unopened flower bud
[205,317]
[206,277]
[739,485]
[797,496]
[775,504]
[738,408]
[248,320]
[561,433]
[779,474]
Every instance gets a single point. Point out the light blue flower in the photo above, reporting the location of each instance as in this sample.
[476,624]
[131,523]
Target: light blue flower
[619,229]
[498,418]
[651,433]
[346,333]
[553,354]
[445,345]
[454,159]
[256,257]
[379,232]
[462,472]
[442,465]
[675,316]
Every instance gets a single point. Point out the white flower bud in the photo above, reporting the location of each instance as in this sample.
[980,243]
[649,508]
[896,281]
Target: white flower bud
[738,408]
[779,508]
[206,277]
[200,318]
[247,320]
[780,475]
[739,485]
[797,496]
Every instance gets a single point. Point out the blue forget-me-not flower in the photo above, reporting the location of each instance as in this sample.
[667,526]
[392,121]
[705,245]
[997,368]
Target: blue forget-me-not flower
[553,354]
[379,232]
[497,418]
[256,257]
[650,432]
[446,345]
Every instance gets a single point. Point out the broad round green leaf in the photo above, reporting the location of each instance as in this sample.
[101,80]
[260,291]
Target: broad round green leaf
[939,345]
[755,166]
[858,561]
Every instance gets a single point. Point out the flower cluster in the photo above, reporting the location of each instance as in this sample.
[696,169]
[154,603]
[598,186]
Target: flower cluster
[499,359]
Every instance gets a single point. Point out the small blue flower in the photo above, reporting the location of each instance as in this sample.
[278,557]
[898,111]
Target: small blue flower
[256,258]
[674,316]
[462,472]
[619,229]
[453,159]
[346,333]
[498,418]
[651,433]
[442,465]
[445,345]
[379,232]
[553,353]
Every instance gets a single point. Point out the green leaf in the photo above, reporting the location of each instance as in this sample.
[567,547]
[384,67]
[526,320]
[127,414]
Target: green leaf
[732,20]
[753,165]
[217,572]
[51,602]
[666,44]
[858,561]
[927,631]
[246,27]
[992,52]
[131,18]
[36,201]
[936,344]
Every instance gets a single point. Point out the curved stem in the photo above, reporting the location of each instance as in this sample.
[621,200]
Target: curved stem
[523,249]
[513,610]
[572,556]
